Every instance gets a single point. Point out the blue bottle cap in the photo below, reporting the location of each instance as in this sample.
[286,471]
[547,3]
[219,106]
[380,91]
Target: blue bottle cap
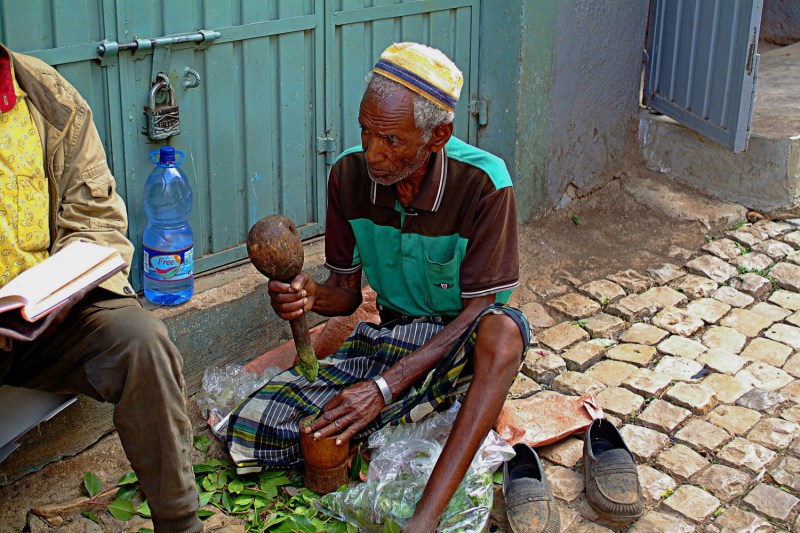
[167,155]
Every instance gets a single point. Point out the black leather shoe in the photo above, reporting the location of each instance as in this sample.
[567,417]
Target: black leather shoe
[530,505]
[612,482]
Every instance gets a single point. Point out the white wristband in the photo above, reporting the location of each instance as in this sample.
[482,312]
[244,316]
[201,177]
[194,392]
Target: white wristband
[384,388]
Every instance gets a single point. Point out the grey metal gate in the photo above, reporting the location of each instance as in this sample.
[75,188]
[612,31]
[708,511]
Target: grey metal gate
[702,65]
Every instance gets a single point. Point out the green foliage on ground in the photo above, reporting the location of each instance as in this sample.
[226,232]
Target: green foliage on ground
[736,226]
[270,502]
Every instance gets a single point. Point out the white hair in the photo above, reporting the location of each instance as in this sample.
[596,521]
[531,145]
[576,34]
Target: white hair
[427,115]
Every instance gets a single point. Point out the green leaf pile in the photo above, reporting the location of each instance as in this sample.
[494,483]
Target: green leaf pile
[271,502]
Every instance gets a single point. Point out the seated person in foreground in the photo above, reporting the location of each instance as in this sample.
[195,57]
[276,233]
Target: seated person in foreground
[433,223]
[55,189]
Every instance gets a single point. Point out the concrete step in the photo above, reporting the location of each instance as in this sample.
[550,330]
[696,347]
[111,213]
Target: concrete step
[767,176]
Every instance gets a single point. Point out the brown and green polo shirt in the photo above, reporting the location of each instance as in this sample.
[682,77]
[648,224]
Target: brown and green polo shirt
[457,239]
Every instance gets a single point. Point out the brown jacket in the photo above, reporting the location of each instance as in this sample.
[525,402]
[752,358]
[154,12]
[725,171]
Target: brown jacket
[84,204]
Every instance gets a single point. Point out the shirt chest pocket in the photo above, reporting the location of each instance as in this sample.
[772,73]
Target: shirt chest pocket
[33,230]
[443,290]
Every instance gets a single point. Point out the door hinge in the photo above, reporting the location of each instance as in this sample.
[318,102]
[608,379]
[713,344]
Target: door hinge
[327,146]
[480,108]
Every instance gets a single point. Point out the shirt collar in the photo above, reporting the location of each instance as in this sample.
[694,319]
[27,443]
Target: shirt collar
[9,91]
[430,194]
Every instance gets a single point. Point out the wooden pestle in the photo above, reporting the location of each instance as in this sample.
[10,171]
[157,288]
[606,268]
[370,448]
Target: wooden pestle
[274,247]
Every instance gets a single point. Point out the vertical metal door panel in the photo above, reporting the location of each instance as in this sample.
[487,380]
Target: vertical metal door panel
[362,29]
[321,108]
[701,65]
[74,23]
[704,57]
[465,52]
[35,34]
[687,42]
[723,67]
[351,73]
[411,29]
[52,30]
[193,141]
[224,195]
[294,64]
[258,95]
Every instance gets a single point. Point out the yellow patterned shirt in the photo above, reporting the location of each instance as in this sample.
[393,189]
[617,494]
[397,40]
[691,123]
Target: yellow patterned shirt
[24,196]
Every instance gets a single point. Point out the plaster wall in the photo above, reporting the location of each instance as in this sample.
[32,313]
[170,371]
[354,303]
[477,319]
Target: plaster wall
[515,71]
[780,21]
[594,95]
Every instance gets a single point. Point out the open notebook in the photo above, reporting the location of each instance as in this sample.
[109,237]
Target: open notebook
[48,285]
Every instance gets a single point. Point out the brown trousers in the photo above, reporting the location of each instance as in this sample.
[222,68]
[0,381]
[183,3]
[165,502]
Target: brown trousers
[110,349]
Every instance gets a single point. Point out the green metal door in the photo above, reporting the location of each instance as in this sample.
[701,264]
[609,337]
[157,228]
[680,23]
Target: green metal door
[280,84]
[248,129]
[359,30]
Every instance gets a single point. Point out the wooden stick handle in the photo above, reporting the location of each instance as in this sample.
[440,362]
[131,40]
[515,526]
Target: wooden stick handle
[305,350]
[302,338]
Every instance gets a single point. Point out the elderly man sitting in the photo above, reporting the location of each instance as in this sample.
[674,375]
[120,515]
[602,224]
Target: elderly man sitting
[432,222]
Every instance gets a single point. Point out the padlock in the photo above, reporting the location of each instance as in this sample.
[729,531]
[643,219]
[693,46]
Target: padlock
[162,121]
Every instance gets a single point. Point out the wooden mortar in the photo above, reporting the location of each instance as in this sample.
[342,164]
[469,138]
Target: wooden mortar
[326,463]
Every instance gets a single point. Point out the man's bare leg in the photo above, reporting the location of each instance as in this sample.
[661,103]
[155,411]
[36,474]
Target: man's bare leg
[496,359]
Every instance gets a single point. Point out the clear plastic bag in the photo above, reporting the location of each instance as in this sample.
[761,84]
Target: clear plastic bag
[224,387]
[403,458]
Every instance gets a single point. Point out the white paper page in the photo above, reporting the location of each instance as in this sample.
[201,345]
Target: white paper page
[35,310]
[11,302]
[57,271]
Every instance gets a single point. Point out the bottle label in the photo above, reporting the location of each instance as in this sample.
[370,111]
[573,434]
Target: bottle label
[168,266]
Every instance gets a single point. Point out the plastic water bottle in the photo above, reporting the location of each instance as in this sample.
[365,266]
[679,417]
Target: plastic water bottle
[167,244]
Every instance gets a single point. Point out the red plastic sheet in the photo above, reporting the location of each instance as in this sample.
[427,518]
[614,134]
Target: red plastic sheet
[538,422]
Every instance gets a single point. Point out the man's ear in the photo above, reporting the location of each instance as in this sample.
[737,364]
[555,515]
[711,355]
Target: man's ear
[439,136]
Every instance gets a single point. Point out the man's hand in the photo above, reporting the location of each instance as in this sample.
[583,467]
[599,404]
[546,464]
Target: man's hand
[291,300]
[348,412]
[420,525]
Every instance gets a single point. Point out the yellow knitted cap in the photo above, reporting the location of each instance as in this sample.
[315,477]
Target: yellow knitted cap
[424,70]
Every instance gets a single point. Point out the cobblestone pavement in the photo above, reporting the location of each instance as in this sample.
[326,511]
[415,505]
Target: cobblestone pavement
[701,377]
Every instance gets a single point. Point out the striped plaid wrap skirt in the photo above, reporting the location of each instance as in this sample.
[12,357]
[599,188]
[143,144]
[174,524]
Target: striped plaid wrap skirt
[263,430]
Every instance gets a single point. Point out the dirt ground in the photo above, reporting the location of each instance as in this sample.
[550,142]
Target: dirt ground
[613,232]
